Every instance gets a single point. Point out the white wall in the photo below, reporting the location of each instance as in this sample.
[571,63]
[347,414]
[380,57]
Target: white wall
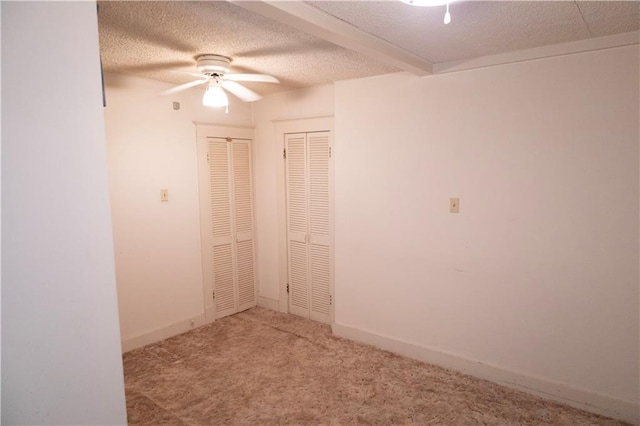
[538,273]
[268,168]
[157,244]
[60,351]
[537,276]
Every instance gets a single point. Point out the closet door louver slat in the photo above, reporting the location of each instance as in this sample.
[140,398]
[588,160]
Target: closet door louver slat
[242,188]
[319,259]
[220,200]
[319,184]
[297,184]
[320,284]
[246,288]
[243,210]
[297,223]
[298,282]
[223,276]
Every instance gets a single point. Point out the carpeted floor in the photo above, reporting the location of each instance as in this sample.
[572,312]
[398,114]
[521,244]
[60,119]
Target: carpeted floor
[263,367]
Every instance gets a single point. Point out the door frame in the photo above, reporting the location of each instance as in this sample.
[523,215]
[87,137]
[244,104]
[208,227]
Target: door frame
[282,127]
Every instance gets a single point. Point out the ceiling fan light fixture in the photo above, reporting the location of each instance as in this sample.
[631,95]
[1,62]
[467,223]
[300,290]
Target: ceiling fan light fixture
[214,70]
[429,3]
[215,96]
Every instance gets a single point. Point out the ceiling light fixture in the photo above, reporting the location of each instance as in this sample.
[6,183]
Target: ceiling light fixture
[430,3]
[214,96]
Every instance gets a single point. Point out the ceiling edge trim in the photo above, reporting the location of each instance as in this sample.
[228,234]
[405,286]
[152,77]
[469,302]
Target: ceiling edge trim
[316,22]
[560,49]
[234,127]
[305,118]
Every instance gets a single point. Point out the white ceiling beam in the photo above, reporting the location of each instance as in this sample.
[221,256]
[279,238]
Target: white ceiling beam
[560,49]
[311,20]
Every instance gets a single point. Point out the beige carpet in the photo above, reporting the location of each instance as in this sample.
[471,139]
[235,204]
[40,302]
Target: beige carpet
[263,367]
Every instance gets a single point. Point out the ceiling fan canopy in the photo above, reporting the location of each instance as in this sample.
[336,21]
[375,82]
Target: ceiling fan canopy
[213,64]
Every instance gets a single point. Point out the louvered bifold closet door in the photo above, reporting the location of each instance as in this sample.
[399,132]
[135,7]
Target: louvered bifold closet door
[222,228]
[297,223]
[243,215]
[308,169]
[319,226]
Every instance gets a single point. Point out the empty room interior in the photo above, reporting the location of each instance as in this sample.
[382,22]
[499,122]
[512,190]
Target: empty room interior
[448,186]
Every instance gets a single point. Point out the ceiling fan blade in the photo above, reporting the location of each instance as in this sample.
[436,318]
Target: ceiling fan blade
[240,91]
[182,87]
[261,78]
[191,73]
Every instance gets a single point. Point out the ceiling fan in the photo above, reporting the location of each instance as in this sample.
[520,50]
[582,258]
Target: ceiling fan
[214,71]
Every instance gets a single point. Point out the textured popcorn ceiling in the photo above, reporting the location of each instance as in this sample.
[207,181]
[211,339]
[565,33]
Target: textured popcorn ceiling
[153,39]
[149,39]
[480,28]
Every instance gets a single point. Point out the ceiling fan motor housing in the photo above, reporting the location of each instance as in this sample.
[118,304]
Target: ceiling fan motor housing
[213,64]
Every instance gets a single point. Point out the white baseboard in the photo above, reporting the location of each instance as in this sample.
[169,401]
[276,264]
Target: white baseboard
[165,332]
[560,392]
[269,303]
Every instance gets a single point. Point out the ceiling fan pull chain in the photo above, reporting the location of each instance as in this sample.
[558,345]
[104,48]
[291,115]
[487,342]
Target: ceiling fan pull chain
[447,15]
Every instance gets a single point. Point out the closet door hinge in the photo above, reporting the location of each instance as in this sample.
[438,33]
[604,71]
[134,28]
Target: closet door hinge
[213,295]
[287,288]
[330,299]
[207,158]
[284,153]
[329,152]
